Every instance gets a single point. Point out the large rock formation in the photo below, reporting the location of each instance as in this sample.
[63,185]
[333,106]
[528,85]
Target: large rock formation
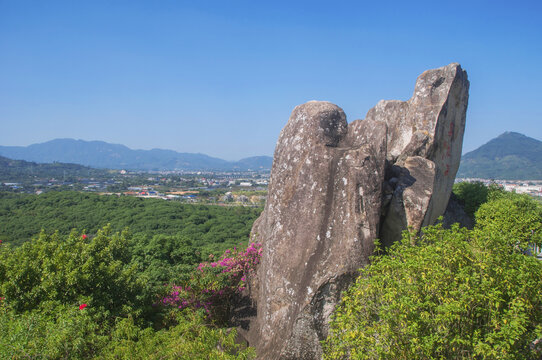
[425,137]
[335,188]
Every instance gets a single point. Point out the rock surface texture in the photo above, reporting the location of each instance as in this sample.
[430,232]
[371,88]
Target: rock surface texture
[335,188]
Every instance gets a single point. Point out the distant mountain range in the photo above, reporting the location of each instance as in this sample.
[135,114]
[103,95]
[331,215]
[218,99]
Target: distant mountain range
[510,156]
[99,154]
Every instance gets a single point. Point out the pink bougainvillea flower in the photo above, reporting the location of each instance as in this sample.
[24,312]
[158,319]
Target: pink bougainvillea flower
[82,306]
[235,265]
[84,236]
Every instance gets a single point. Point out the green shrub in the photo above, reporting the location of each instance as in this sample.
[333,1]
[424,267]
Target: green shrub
[72,270]
[191,338]
[518,217]
[450,294]
[81,297]
[66,332]
[164,259]
[472,195]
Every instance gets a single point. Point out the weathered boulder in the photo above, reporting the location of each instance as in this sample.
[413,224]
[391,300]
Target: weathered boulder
[318,227]
[429,126]
[410,200]
[336,187]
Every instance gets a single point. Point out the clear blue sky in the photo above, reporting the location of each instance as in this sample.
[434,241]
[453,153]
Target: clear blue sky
[221,77]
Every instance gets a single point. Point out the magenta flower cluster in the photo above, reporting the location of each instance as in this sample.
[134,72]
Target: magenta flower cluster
[213,284]
[184,297]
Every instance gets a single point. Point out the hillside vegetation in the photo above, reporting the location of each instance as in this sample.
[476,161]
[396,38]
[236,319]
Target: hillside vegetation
[210,228]
[77,297]
[156,293]
[450,294]
[111,293]
[21,171]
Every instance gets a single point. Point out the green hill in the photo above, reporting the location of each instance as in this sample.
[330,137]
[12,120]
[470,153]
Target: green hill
[20,170]
[510,156]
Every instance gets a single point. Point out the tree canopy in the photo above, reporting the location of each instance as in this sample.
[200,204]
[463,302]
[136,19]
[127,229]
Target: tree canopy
[212,229]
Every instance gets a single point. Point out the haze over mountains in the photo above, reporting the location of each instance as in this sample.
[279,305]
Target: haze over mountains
[99,154]
[510,156]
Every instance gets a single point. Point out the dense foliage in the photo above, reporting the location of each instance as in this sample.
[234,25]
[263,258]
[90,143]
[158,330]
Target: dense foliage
[471,195]
[450,293]
[164,259]
[55,270]
[216,284]
[98,294]
[80,296]
[146,293]
[212,229]
[191,338]
[518,217]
